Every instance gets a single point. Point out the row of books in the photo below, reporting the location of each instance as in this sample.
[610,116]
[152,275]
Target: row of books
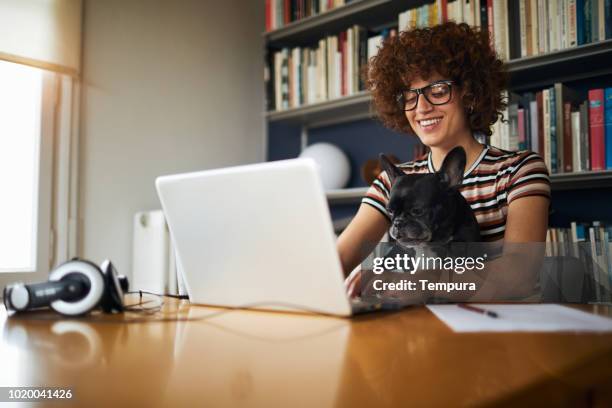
[571,134]
[303,75]
[279,13]
[522,28]
[591,243]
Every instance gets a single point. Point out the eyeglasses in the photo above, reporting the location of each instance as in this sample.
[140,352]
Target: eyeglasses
[437,93]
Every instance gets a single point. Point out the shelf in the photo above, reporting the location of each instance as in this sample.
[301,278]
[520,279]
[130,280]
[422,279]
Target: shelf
[368,13]
[561,66]
[581,180]
[525,73]
[346,195]
[347,108]
[559,182]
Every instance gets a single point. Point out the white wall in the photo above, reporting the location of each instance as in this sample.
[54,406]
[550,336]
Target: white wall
[168,86]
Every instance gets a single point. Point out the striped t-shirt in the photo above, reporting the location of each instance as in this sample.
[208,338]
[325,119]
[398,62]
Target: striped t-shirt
[496,178]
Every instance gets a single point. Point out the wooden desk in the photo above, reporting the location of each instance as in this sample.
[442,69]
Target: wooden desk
[251,358]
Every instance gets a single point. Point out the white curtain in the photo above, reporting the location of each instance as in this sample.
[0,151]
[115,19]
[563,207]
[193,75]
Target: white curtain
[42,33]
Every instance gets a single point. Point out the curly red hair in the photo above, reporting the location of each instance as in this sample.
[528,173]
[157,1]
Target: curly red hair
[454,51]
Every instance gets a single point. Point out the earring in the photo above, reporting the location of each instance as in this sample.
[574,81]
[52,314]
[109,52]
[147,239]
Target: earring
[471,109]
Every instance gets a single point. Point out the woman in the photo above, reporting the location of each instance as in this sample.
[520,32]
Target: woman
[444,84]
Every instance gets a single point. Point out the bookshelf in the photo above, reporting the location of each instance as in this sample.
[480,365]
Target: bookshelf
[530,73]
[372,13]
[525,73]
[559,182]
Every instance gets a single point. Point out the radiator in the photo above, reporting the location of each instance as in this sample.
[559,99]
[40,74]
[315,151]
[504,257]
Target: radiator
[154,266]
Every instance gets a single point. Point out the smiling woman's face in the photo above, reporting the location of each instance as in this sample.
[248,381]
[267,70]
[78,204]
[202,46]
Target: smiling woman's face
[438,125]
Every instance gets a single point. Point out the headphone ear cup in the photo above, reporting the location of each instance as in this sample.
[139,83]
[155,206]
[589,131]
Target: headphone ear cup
[112,300]
[93,279]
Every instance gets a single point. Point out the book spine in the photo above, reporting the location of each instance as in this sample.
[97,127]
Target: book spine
[576,147]
[594,20]
[285,78]
[580,23]
[596,128]
[553,131]
[547,122]
[444,10]
[286,12]
[608,14]
[521,129]
[484,15]
[513,29]
[533,16]
[588,16]
[568,155]
[571,16]
[585,142]
[560,95]
[562,24]
[513,136]
[602,20]
[540,116]
[534,127]
[543,26]
[608,126]
[363,55]
[524,31]
[553,25]
[268,15]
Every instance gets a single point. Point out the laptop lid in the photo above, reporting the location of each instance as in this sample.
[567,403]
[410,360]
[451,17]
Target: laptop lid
[258,235]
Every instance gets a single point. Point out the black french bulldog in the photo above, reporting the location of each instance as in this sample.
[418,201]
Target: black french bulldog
[428,208]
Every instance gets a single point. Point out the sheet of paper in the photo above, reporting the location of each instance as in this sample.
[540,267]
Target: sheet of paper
[521,317]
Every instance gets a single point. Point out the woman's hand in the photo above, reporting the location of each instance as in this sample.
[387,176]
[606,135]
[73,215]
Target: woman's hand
[353,283]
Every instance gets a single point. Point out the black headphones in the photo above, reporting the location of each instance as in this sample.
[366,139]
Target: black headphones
[74,288]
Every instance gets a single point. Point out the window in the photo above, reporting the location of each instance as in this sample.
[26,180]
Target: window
[26,140]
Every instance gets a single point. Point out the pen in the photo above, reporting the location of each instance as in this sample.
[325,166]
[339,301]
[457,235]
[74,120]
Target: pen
[478,310]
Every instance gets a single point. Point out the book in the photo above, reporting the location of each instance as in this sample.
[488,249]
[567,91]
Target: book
[553,25]
[522,139]
[523,26]
[512,142]
[540,120]
[484,15]
[514,33]
[601,21]
[563,95]
[568,145]
[608,126]
[580,22]
[608,18]
[588,16]
[534,137]
[596,128]
[576,146]
[585,142]
[572,27]
[554,138]
[546,129]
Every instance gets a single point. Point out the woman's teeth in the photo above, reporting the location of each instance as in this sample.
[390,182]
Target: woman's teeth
[429,122]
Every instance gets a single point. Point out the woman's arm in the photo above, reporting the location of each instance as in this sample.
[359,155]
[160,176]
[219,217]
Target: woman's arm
[511,276]
[361,236]
[515,273]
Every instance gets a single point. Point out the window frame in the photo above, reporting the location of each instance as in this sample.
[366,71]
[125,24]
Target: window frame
[44,195]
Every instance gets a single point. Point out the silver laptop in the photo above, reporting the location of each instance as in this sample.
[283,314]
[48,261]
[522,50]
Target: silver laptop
[257,236]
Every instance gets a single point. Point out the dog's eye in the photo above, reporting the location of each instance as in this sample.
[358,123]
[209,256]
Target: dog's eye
[417,212]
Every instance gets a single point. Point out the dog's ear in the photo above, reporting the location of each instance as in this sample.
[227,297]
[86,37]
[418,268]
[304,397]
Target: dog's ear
[392,171]
[453,167]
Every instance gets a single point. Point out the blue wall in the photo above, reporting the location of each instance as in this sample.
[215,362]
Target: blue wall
[360,140]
